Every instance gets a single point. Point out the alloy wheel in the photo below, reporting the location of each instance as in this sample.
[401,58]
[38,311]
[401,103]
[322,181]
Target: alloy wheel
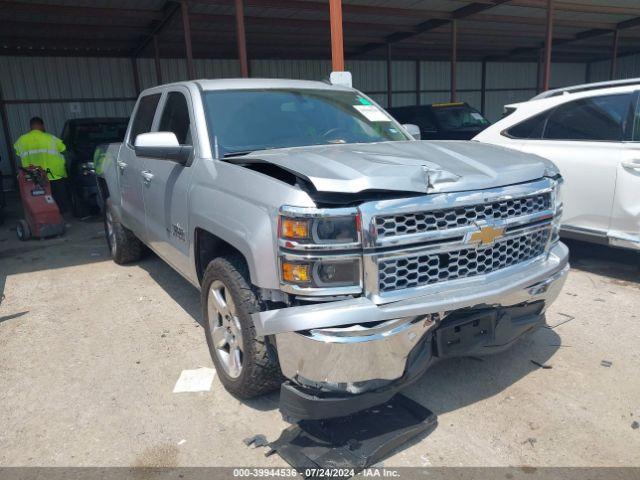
[225,328]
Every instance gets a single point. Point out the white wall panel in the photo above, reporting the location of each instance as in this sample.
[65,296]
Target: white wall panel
[404,99]
[511,75]
[626,67]
[495,101]
[46,78]
[565,74]
[368,75]
[427,98]
[67,78]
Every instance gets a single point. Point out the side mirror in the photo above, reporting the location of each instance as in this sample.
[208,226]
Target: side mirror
[162,146]
[413,130]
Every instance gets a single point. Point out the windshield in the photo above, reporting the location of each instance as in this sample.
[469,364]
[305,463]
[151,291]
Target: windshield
[87,136]
[241,121]
[458,117]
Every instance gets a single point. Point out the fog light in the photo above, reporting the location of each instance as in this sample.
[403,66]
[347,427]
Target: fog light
[295,272]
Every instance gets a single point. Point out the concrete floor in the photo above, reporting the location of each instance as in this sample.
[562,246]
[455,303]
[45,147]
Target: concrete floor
[90,352]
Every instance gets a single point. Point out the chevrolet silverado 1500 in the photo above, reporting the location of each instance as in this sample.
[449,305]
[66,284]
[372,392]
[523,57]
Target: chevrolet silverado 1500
[336,255]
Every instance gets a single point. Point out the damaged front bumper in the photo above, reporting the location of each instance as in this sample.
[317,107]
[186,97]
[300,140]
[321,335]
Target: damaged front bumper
[346,355]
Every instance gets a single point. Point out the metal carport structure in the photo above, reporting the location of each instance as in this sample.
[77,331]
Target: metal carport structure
[393,47]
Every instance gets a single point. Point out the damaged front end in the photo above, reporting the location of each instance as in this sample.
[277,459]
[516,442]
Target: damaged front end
[376,292]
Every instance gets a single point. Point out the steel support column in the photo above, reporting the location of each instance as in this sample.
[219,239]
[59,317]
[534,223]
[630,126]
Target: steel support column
[8,142]
[186,25]
[539,71]
[337,42]
[454,59]
[389,78]
[483,87]
[136,75]
[156,59]
[614,54]
[418,82]
[242,39]
[548,45]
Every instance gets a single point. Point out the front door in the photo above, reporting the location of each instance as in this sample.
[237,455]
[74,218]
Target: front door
[584,138]
[130,166]
[166,187]
[625,214]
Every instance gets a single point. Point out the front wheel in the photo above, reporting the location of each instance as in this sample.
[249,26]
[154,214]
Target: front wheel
[124,246]
[239,355]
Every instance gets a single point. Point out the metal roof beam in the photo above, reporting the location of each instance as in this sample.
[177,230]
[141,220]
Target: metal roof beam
[77,11]
[433,23]
[579,7]
[169,11]
[584,35]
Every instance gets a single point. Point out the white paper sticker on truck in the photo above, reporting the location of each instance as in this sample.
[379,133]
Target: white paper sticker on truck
[372,113]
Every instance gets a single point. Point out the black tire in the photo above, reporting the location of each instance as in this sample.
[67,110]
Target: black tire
[79,206]
[259,373]
[124,246]
[23,231]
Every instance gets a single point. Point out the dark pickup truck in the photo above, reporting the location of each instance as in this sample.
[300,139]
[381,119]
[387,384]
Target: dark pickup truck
[81,137]
[443,121]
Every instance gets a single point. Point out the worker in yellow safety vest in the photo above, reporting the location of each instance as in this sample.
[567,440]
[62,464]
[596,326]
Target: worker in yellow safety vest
[44,150]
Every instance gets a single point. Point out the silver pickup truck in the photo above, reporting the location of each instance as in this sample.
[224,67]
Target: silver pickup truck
[336,255]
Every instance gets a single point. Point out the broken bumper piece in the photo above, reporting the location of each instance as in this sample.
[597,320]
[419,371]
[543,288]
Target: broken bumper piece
[348,355]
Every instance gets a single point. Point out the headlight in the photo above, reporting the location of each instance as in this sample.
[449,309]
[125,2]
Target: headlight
[320,251]
[319,229]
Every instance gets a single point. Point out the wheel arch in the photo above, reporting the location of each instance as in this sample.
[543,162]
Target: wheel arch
[208,247]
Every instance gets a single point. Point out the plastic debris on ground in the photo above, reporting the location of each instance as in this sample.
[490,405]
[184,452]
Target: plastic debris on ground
[355,442]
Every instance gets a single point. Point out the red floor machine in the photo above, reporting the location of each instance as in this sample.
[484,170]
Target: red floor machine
[43,218]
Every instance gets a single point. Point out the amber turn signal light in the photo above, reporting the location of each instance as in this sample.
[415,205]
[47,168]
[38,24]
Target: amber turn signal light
[295,272]
[294,228]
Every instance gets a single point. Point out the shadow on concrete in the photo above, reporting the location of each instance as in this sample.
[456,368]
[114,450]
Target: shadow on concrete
[6,318]
[179,289]
[617,263]
[454,383]
[83,243]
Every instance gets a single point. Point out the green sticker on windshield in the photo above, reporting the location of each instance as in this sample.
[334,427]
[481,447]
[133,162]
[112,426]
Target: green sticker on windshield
[364,101]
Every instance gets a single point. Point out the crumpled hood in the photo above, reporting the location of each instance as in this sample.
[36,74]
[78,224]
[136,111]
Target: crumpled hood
[413,166]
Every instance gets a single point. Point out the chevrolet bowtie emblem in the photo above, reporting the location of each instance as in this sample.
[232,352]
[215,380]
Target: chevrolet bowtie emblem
[486,235]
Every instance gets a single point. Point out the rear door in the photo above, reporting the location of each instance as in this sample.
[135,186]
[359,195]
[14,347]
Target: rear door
[625,214]
[166,190]
[130,166]
[584,138]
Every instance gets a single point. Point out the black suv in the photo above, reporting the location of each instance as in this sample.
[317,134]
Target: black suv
[443,121]
[81,137]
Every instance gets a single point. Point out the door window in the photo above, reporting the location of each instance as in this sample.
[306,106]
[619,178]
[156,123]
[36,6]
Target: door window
[144,116]
[597,118]
[175,118]
[636,122]
[529,129]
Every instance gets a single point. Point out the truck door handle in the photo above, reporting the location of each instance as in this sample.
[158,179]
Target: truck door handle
[121,165]
[632,165]
[147,176]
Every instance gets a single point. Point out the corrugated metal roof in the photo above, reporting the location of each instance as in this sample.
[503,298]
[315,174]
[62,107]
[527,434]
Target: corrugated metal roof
[366,22]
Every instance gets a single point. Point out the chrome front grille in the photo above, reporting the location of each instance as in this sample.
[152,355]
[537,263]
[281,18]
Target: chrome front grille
[428,268]
[444,219]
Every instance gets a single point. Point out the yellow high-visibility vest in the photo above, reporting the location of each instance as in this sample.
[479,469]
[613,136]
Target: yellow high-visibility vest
[42,150]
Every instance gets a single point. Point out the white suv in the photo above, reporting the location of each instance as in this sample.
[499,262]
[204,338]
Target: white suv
[592,133]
